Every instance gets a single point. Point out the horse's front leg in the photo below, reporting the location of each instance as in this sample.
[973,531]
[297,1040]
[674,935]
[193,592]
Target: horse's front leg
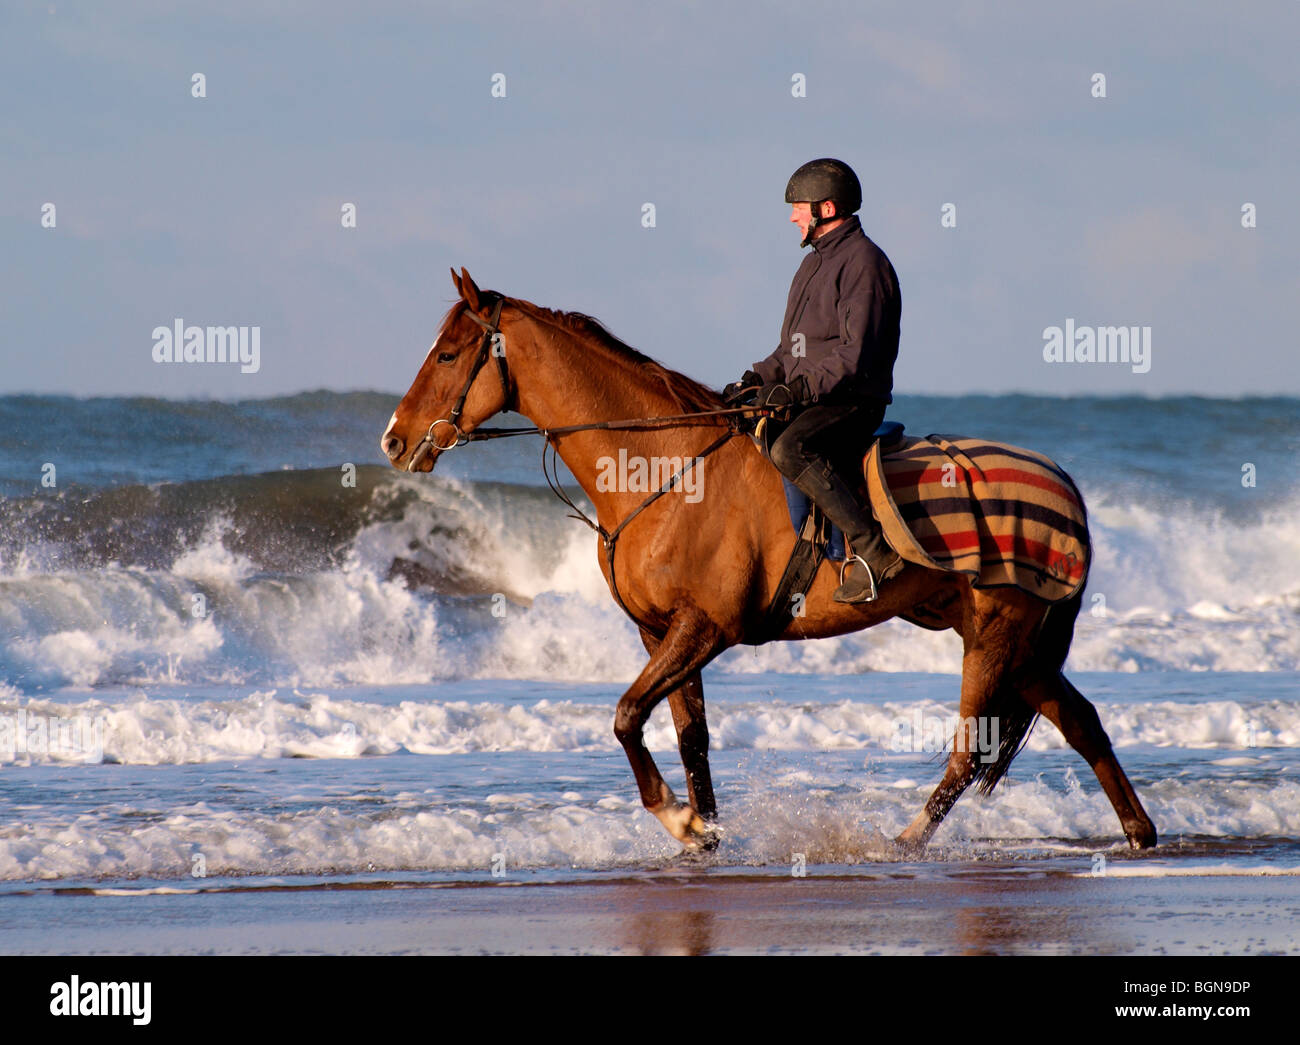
[687,704]
[690,642]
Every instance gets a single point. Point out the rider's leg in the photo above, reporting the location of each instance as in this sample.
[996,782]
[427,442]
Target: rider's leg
[801,453]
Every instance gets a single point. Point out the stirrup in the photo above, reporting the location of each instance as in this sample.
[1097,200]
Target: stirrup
[870,576]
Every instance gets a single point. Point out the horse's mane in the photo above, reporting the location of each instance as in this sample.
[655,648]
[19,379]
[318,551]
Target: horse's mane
[687,393]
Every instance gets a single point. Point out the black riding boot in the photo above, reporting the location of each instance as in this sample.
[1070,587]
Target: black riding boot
[878,560]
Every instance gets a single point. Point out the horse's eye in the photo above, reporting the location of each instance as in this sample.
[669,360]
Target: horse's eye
[446,357]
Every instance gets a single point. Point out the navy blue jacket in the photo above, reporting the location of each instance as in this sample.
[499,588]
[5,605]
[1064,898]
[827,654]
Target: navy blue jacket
[846,303]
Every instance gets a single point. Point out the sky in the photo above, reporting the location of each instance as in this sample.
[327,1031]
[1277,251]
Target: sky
[225,210]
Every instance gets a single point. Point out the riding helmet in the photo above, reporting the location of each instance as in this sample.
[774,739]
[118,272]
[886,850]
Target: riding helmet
[826,179]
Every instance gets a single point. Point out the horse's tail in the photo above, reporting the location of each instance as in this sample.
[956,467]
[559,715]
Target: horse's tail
[1015,717]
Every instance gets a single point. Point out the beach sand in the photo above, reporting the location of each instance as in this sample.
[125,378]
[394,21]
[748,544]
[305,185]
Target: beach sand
[979,908]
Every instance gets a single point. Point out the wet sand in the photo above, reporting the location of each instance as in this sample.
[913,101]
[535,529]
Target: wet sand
[972,909]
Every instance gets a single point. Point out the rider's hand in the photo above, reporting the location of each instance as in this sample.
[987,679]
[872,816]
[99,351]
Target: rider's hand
[739,391]
[780,395]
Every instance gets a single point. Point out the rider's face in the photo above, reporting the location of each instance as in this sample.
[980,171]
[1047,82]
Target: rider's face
[801,215]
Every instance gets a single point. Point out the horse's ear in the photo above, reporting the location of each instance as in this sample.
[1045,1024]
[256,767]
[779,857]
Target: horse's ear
[469,289]
[455,279]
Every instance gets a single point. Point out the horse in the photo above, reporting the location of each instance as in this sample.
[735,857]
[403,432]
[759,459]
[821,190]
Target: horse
[696,575]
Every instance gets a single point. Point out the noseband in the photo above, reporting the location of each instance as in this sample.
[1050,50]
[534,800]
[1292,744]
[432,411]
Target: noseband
[490,329]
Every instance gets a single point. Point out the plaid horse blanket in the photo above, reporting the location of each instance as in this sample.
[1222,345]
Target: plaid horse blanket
[1003,515]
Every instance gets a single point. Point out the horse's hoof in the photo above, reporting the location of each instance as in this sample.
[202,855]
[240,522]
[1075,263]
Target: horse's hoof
[1143,837]
[701,836]
[709,838]
[909,848]
[688,827]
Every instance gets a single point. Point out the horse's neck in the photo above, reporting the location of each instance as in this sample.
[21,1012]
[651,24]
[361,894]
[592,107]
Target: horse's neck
[566,382]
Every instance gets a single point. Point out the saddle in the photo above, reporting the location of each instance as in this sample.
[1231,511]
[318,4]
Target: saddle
[817,539]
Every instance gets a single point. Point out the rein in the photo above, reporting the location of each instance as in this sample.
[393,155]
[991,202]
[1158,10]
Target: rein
[551,469]
[671,420]
[461,438]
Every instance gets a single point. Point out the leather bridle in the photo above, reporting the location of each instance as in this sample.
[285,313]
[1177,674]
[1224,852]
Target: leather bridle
[491,328]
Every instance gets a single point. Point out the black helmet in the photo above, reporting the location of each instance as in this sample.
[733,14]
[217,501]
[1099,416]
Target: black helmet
[826,179]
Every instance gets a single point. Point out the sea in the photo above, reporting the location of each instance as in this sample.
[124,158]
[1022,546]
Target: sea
[237,647]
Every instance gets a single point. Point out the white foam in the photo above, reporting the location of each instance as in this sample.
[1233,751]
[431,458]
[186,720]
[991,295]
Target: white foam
[1175,561]
[209,559]
[764,822]
[166,731]
[331,841]
[1183,594]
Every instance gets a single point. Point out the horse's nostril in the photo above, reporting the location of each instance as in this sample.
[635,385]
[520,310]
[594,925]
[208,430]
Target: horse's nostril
[393,447]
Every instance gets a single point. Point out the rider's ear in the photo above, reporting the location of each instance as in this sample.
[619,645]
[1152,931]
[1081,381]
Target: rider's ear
[469,290]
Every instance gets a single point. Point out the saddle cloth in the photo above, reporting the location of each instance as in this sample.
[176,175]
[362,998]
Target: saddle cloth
[1003,515]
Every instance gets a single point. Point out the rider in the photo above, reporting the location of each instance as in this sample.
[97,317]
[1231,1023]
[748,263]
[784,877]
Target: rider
[834,364]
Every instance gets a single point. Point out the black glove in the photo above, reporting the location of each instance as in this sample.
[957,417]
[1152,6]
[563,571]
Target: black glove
[738,392]
[782,395]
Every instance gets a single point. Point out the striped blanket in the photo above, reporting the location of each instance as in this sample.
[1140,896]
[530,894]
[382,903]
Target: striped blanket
[1003,515]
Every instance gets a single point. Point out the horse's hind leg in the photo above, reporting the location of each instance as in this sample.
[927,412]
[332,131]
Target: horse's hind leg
[690,642]
[687,704]
[996,627]
[982,672]
[1053,695]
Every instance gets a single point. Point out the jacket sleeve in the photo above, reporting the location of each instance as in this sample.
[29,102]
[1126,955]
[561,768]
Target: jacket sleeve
[771,369]
[861,313]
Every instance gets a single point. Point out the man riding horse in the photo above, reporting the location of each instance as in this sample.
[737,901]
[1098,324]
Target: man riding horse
[833,369]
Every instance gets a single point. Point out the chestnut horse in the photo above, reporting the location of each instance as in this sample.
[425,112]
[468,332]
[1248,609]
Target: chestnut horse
[696,574]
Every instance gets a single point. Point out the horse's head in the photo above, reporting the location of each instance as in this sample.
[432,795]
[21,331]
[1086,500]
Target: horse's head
[462,382]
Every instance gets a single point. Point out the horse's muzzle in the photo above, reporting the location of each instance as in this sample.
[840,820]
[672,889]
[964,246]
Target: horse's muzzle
[419,455]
